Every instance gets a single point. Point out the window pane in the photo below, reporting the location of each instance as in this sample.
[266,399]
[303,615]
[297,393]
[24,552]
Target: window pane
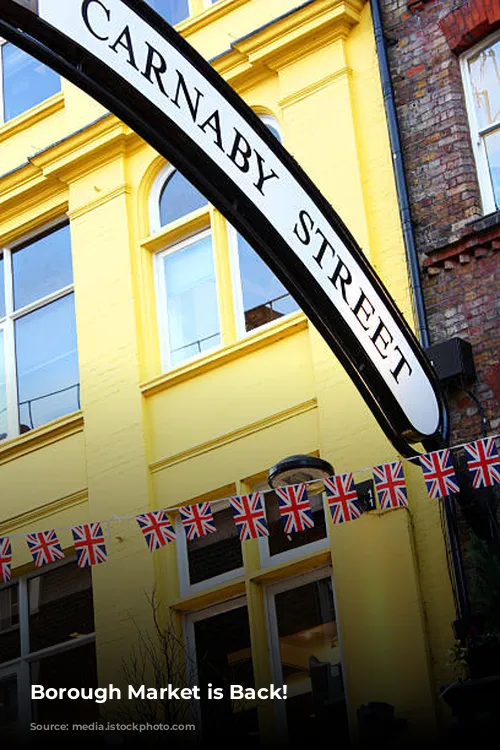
[217,553]
[193,319]
[281,542]
[47,363]
[2,288]
[492,142]
[179,198]
[9,623]
[72,669]
[172,11]
[224,658]
[485,78]
[310,661]
[26,81]
[3,390]
[42,267]
[264,297]
[60,606]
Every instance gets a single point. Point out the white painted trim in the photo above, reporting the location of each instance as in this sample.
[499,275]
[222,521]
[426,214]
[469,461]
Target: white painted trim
[10,350]
[266,559]
[154,197]
[237,286]
[162,301]
[43,302]
[20,667]
[187,588]
[273,633]
[2,105]
[11,315]
[190,641]
[477,134]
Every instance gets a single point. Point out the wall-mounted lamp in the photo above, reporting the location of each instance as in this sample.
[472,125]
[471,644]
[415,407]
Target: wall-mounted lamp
[298,469]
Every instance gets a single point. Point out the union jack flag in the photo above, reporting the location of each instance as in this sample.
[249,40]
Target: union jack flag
[439,473]
[157,529]
[44,547]
[390,485]
[249,515]
[90,547]
[483,462]
[197,520]
[295,508]
[5,559]
[342,497]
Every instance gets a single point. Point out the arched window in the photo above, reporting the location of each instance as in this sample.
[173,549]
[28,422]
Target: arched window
[189,318]
[206,267]
[178,198]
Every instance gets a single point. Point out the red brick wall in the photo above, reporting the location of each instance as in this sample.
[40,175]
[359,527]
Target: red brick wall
[458,248]
[462,293]
[469,23]
[428,89]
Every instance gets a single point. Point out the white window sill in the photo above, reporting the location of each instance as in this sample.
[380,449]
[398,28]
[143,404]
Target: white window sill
[257,339]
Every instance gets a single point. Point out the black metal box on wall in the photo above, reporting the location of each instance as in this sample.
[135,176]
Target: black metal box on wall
[453,361]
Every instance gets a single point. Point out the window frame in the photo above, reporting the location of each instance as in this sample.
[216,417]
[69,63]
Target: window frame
[189,621]
[3,121]
[267,560]
[270,592]
[226,262]
[20,666]
[477,133]
[162,299]
[186,587]
[234,256]
[7,323]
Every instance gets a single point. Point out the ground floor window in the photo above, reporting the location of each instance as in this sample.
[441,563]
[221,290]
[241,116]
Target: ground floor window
[219,643]
[303,651]
[46,638]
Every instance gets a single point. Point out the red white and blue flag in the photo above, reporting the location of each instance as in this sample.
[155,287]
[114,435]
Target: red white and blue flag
[249,515]
[342,498]
[390,485]
[483,462]
[439,473]
[295,508]
[44,547]
[90,547]
[156,528]
[5,559]
[197,520]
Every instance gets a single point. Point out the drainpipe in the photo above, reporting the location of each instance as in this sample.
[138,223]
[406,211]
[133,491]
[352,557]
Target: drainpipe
[399,173]
[459,579]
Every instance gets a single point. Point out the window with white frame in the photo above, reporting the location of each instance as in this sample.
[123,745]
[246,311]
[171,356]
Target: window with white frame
[219,654]
[39,377]
[24,81]
[278,546]
[481,75]
[306,656]
[212,559]
[46,638]
[191,279]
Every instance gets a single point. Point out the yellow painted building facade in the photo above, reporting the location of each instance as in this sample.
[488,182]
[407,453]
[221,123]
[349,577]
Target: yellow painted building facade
[142,430]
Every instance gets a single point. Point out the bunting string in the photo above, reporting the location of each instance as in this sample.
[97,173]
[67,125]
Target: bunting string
[249,514]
